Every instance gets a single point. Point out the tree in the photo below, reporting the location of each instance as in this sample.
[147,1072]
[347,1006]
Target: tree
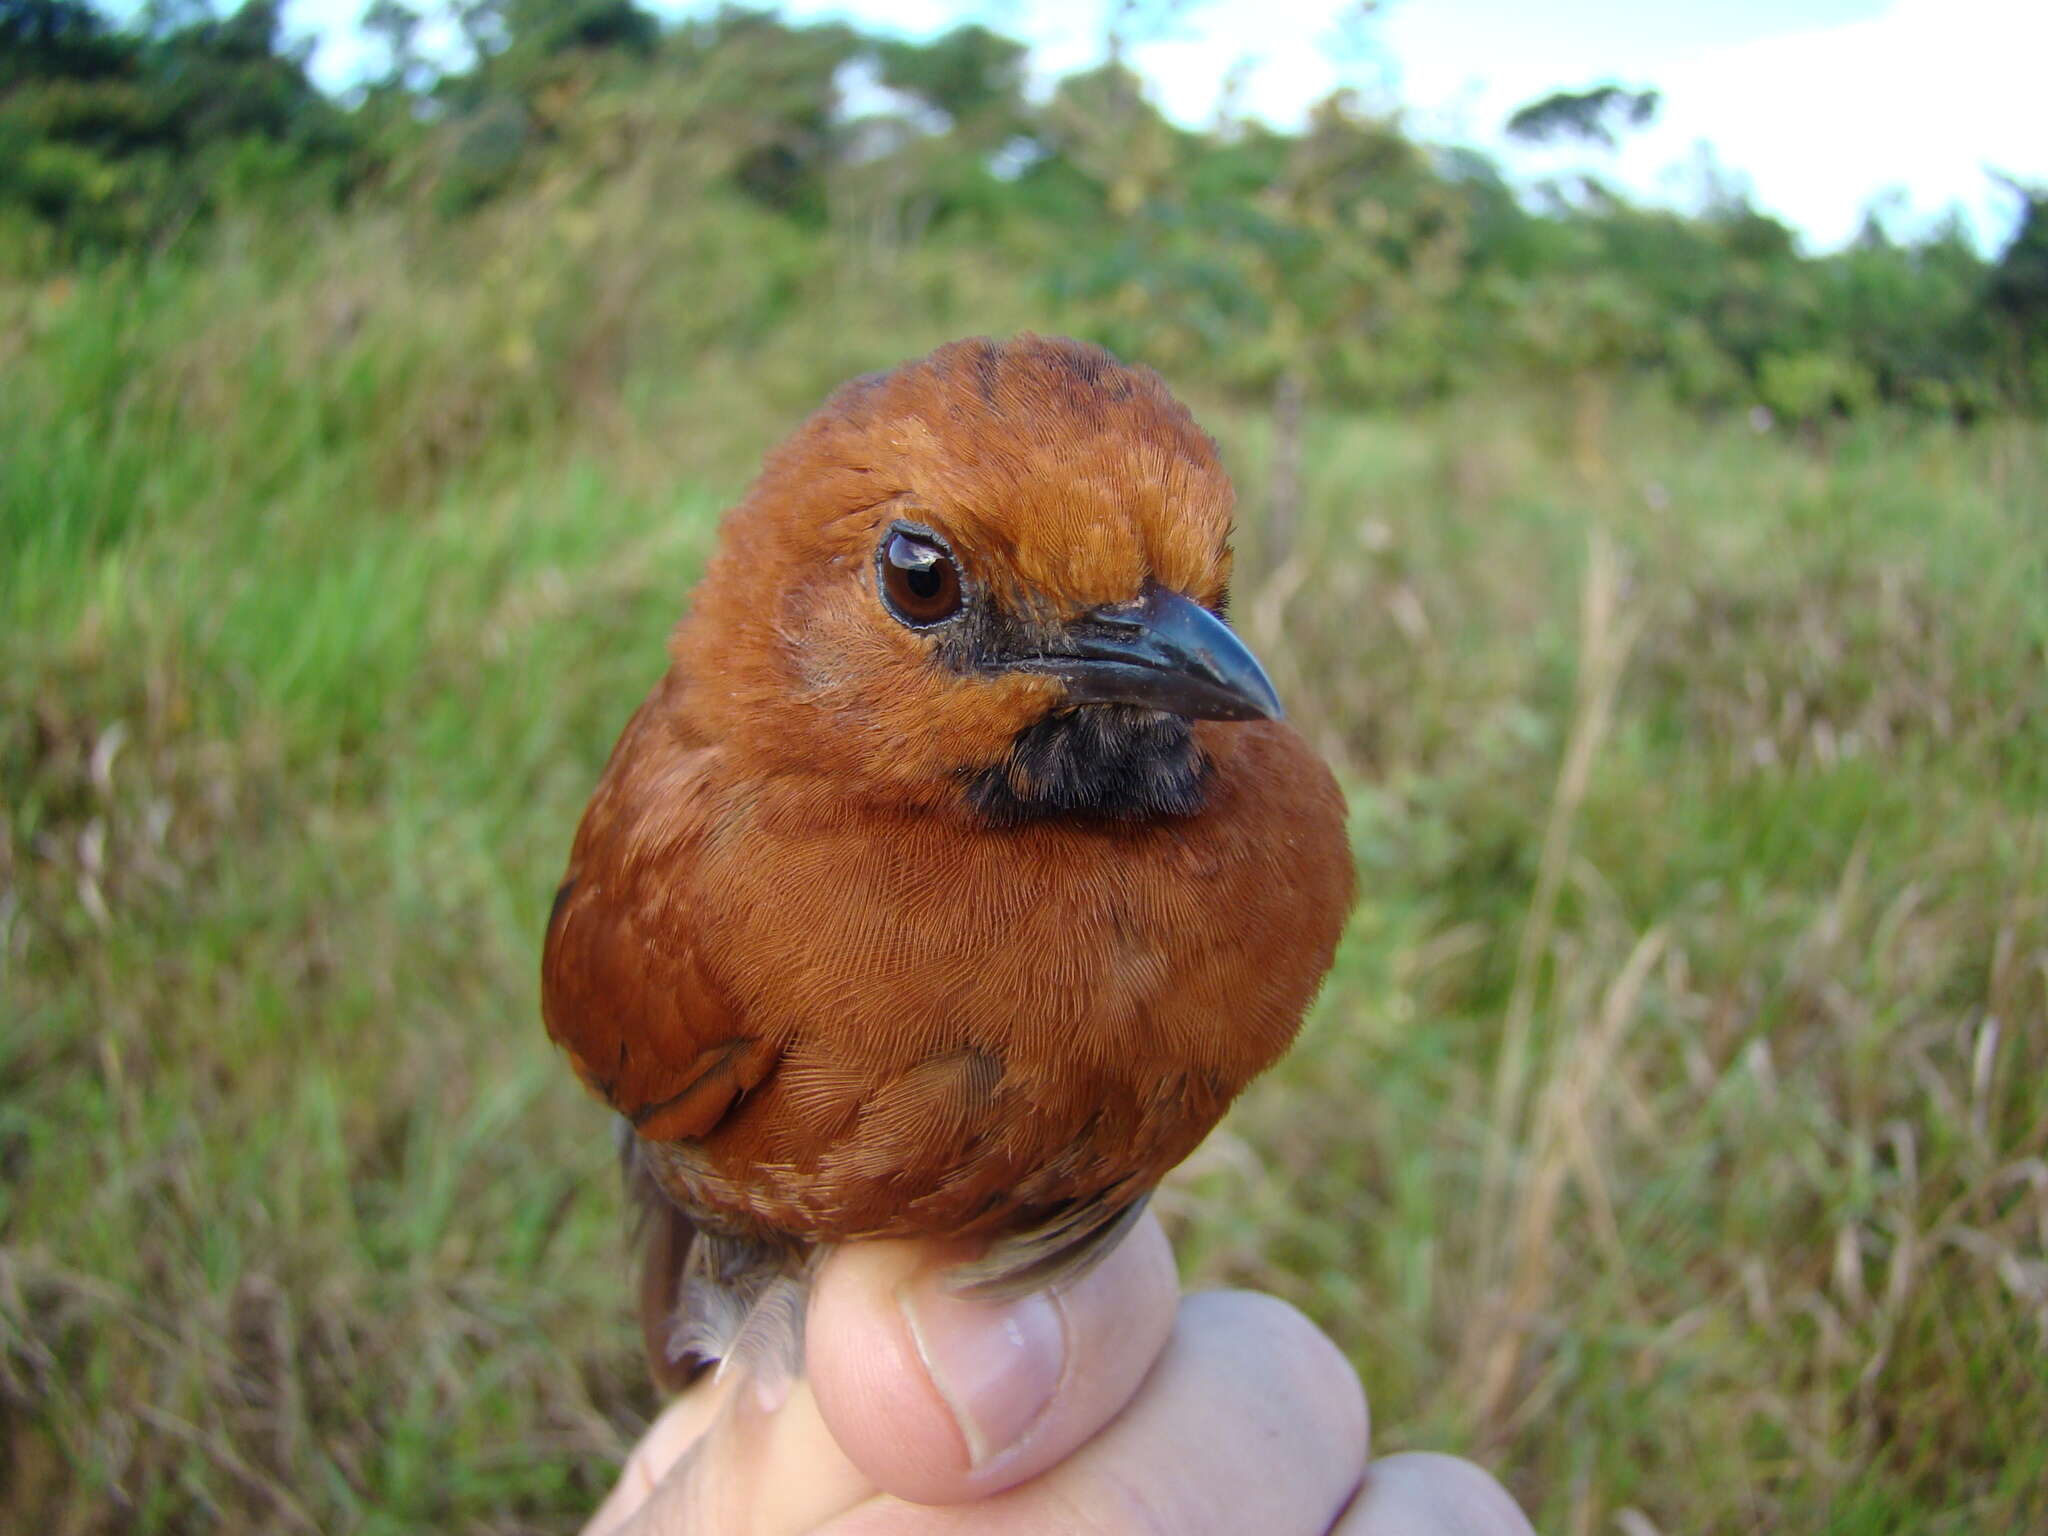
[2018,286]
[770,100]
[59,40]
[110,137]
[1595,116]
[972,75]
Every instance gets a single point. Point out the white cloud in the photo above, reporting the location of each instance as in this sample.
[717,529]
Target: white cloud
[1923,99]
[1821,120]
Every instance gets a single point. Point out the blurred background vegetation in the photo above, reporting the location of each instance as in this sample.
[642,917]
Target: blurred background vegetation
[1347,259]
[1674,602]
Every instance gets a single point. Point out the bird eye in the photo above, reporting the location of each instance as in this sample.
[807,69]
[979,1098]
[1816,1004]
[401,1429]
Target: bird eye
[920,583]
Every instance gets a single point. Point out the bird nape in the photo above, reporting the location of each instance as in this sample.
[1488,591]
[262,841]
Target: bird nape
[960,870]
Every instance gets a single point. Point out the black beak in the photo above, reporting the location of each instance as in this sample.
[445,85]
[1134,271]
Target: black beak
[1161,651]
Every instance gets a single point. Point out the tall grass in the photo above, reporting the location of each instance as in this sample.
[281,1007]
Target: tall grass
[1672,1132]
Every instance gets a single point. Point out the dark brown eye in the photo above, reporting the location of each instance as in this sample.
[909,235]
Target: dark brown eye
[920,583]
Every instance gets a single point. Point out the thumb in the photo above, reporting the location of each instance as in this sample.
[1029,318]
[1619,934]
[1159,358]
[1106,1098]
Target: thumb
[938,1399]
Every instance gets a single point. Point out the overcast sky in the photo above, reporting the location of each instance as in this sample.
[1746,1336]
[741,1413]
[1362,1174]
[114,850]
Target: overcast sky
[1822,105]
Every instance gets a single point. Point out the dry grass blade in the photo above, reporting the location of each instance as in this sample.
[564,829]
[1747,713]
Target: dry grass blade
[1562,1144]
[1606,634]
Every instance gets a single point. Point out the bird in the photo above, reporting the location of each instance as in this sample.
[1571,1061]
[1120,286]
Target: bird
[960,869]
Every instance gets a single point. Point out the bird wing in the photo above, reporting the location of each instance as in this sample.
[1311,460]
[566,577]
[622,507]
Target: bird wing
[625,992]
[624,987]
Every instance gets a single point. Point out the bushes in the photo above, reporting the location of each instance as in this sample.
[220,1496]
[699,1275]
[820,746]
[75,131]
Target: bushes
[1348,257]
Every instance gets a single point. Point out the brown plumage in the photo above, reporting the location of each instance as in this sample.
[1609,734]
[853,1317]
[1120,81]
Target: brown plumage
[952,881]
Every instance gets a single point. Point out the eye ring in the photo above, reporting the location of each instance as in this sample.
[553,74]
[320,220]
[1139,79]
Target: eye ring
[917,577]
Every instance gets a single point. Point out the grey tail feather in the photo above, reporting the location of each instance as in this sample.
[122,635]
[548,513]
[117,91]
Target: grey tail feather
[710,1297]
[1055,1252]
[767,1340]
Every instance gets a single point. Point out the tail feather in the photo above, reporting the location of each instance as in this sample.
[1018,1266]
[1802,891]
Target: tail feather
[709,1297]
[713,1297]
[1056,1252]
[664,1237]
[766,1340]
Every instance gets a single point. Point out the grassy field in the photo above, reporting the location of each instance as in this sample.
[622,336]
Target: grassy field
[1672,1135]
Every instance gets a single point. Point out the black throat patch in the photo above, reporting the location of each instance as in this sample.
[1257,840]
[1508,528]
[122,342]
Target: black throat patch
[1118,762]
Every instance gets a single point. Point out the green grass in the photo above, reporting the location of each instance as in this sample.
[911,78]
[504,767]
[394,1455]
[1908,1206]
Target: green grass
[1672,1134]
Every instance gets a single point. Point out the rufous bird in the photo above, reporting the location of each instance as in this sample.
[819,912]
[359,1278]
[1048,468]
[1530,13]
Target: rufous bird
[961,870]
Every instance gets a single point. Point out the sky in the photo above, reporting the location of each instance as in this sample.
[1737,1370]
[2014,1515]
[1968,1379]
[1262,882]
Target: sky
[1822,106]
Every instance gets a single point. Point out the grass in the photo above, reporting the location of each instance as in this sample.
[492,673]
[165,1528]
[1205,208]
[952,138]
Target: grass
[1671,1134]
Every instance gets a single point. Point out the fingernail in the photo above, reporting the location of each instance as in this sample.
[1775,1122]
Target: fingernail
[997,1364]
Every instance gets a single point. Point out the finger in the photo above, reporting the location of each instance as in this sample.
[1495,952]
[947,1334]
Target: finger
[674,1431]
[1423,1494]
[1251,1421]
[939,1399]
[758,1469]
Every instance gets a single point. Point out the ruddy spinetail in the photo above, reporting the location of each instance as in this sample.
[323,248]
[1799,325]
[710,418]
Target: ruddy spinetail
[961,869]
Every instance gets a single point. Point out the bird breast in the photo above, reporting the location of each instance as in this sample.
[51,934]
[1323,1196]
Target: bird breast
[960,1026]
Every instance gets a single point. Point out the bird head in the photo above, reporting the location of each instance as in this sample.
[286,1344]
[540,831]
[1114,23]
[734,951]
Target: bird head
[993,578]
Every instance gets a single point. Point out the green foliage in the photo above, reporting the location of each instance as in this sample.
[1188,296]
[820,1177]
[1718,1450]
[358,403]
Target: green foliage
[553,27]
[1349,258]
[114,140]
[1810,386]
[972,75]
[764,97]
[60,39]
[1596,116]
[2018,291]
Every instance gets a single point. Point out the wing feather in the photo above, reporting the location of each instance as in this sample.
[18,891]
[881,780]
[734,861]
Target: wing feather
[624,987]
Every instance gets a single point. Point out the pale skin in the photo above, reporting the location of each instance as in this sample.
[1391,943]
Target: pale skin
[1114,1407]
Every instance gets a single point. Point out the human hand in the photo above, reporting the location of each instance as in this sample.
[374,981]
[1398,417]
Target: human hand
[1115,1405]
